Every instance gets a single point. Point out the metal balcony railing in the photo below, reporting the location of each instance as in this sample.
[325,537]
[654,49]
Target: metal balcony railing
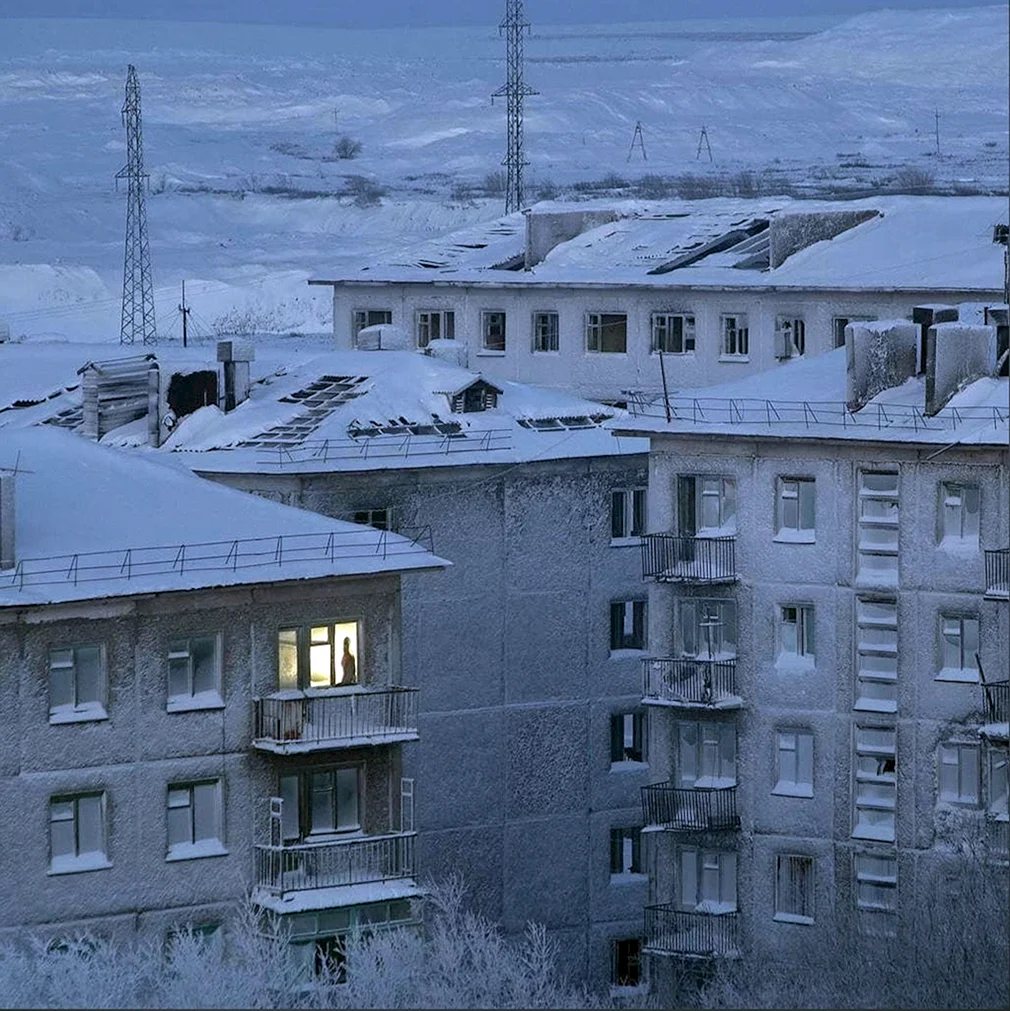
[673,559]
[671,931]
[998,839]
[997,573]
[690,682]
[997,701]
[688,810]
[350,719]
[303,866]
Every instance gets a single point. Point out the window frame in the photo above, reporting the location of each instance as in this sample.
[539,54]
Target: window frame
[621,640]
[803,761]
[78,860]
[705,609]
[619,726]
[210,698]
[740,340]
[805,621]
[961,490]
[539,337]
[688,339]
[963,674]
[807,887]
[712,765]
[626,848]
[595,324]
[631,498]
[305,786]
[366,313]
[885,881]
[691,494]
[487,317]
[787,326]
[703,859]
[995,757]
[78,711]
[303,644]
[633,959]
[883,778]
[206,846]
[367,517]
[446,322]
[804,487]
[865,650]
[878,575]
[971,799]
[836,329]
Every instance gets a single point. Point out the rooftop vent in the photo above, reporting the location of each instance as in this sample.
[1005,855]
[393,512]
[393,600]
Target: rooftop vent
[235,359]
[7,524]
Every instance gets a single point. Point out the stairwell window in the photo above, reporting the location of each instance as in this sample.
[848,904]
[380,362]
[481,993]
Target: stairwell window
[545,332]
[878,527]
[492,330]
[959,645]
[876,791]
[435,324]
[77,833]
[876,881]
[195,820]
[876,655]
[77,683]
[607,332]
[735,337]
[794,754]
[194,673]
[673,333]
[959,774]
[794,889]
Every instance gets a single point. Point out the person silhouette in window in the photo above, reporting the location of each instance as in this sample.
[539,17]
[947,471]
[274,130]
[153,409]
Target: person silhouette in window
[348,664]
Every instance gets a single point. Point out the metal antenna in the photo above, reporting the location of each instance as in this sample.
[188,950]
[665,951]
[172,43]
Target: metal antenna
[515,90]
[138,290]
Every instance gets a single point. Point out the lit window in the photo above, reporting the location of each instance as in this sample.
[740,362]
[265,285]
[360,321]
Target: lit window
[625,851]
[878,527]
[194,820]
[796,632]
[876,783]
[959,774]
[626,962]
[369,317]
[876,882]
[706,628]
[672,333]
[627,737]
[607,332]
[790,336]
[492,328]
[795,512]
[735,336]
[877,655]
[319,656]
[707,881]
[706,755]
[194,672]
[77,833]
[627,513]
[545,331]
[958,514]
[794,889]
[433,325]
[627,624]
[959,644]
[77,683]
[795,763]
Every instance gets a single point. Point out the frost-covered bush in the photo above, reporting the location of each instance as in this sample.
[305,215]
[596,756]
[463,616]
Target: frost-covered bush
[346,148]
[495,184]
[364,191]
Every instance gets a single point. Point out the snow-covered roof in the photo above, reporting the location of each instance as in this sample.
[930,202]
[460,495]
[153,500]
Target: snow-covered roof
[805,398]
[910,243]
[91,522]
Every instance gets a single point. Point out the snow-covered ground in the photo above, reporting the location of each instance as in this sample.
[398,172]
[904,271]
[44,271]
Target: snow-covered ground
[247,200]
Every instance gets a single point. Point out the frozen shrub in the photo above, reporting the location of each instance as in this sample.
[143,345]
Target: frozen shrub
[692,187]
[364,191]
[546,190]
[912,179]
[495,184]
[347,148]
[653,187]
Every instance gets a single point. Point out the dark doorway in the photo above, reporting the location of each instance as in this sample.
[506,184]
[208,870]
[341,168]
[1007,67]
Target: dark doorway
[189,391]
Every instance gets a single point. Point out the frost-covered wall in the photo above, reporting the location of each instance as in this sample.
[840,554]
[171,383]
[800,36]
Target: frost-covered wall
[789,233]
[956,354]
[878,356]
[547,229]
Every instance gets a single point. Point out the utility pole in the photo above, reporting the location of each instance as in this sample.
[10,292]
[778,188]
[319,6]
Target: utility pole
[936,116]
[138,289]
[703,139]
[637,136]
[185,310]
[515,91]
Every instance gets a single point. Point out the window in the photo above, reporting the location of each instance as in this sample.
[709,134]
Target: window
[369,317]
[626,968]
[627,624]
[876,783]
[320,802]
[607,332]
[77,683]
[433,325]
[194,672]
[876,881]
[794,889]
[545,331]
[795,509]
[77,833]
[194,820]
[627,737]
[959,774]
[735,336]
[998,782]
[203,934]
[796,633]
[878,527]
[627,513]
[672,333]
[794,763]
[492,329]
[959,643]
[839,323]
[877,655]
[706,506]
[707,881]
[790,336]
[706,755]
[958,514]
[319,656]
[706,628]
[378,518]
[625,851]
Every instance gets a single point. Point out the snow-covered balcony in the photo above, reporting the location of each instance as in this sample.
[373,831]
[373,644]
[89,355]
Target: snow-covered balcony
[670,558]
[341,871]
[294,722]
[997,710]
[690,683]
[697,809]
[997,574]
[673,931]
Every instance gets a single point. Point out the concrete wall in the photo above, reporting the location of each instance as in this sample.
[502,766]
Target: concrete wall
[604,376]
[956,355]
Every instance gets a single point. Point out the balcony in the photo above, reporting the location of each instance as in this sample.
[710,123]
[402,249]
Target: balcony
[998,840]
[709,684]
[668,558]
[351,719]
[671,931]
[997,574]
[997,710]
[690,810]
[282,871]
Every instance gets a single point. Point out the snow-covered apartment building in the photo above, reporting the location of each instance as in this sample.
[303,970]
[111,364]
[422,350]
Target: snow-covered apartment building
[826,678]
[202,698]
[581,297]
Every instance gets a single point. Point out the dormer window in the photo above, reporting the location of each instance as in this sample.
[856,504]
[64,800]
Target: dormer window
[479,395]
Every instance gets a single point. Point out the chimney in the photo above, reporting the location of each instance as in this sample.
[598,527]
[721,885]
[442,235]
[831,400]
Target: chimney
[878,355]
[957,354]
[7,519]
[235,359]
[547,229]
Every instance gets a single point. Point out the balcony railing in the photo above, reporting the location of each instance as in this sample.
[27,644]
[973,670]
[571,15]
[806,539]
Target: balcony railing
[687,810]
[997,703]
[998,840]
[670,931]
[997,573]
[672,559]
[690,682]
[300,867]
[350,719]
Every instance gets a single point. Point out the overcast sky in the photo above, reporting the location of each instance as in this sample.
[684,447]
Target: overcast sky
[394,13]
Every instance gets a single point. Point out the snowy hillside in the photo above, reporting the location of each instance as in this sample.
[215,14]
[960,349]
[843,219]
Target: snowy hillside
[248,198]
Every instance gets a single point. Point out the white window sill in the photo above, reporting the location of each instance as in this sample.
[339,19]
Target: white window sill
[628,878]
[629,766]
[655,352]
[626,654]
[593,353]
[876,706]
[487,353]
[960,675]
[793,918]
[194,851]
[84,714]
[625,542]
[879,833]
[79,865]
[793,790]
[787,536]
[734,358]
[194,703]
[537,351]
